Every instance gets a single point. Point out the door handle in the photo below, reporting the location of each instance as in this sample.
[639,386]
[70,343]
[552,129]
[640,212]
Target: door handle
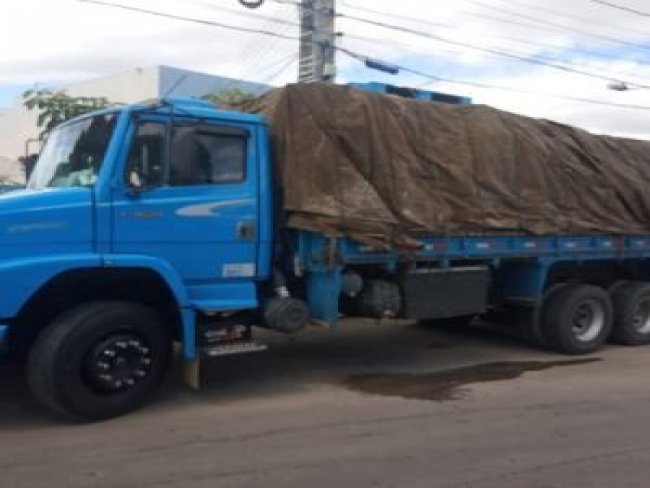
[246,230]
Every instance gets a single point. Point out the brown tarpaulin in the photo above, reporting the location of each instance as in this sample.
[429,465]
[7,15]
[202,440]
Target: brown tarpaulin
[385,170]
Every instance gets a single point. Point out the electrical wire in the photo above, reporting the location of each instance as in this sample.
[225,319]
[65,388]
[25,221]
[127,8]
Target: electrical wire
[205,22]
[296,24]
[622,7]
[578,18]
[409,46]
[268,47]
[502,53]
[285,66]
[247,13]
[363,58]
[539,59]
[537,44]
[562,27]
[210,23]
[509,21]
[506,21]
[490,86]
[608,76]
[251,55]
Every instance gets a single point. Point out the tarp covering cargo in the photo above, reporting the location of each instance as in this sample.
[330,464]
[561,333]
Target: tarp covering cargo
[385,170]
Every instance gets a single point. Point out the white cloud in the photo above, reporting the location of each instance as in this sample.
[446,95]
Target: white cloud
[54,41]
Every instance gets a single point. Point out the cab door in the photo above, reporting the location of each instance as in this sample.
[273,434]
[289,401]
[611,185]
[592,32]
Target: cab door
[190,197]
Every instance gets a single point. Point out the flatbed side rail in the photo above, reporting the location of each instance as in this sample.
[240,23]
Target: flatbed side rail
[316,249]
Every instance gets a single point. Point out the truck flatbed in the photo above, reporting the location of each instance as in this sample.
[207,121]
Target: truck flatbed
[444,249]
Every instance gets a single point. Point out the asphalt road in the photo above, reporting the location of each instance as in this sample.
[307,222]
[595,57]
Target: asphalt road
[365,406]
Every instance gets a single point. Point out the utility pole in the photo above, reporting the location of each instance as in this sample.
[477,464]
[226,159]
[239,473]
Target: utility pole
[317,41]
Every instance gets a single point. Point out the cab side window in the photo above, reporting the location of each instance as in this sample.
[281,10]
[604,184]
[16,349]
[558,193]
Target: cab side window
[146,161]
[207,156]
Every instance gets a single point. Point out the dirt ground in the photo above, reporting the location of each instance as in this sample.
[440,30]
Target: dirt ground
[367,405]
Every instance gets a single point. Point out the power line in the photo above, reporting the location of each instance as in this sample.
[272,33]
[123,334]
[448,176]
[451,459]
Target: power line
[252,51]
[622,7]
[297,4]
[251,55]
[543,58]
[412,47]
[507,21]
[363,58]
[285,66]
[211,23]
[506,54]
[507,38]
[557,25]
[476,84]
[447,26]
[268,47]
[528,42]
[579,18]
[245,13]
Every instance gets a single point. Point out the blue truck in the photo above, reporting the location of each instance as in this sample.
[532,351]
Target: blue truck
[115,252]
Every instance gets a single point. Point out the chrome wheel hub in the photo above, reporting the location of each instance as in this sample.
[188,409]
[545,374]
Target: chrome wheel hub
[588,320]
[641,316]
[118,363]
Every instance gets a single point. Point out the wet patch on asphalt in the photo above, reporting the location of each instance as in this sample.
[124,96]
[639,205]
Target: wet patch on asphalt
[447,385]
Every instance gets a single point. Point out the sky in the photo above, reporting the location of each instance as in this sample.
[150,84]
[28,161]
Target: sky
[54,42]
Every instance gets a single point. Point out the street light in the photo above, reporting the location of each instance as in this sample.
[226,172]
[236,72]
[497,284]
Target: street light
[621,86]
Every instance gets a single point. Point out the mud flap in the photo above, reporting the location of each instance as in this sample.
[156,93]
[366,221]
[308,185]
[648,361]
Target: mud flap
[192,373]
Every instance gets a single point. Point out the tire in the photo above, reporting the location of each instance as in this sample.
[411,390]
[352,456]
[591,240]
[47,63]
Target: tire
[631,314]
[99,360]
[529,320]
[577,319]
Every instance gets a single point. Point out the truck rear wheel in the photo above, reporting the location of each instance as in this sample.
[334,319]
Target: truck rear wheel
[577,319]
[632,314]
[530,320]
[99,360]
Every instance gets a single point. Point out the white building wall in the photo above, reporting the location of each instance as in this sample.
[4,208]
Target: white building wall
[17,126]
[130,87]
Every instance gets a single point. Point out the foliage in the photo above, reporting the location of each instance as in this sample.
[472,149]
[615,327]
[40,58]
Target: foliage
[55,107]
[230,97]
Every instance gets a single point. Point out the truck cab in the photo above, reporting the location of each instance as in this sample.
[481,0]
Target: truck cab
[161,209]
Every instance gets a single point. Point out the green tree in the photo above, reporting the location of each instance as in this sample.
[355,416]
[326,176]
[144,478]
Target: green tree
[229,97]
[55,107]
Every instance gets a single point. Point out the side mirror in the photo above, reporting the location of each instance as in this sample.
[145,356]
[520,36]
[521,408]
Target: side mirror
[136,184]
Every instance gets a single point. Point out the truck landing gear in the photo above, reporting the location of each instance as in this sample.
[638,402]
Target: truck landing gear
[99,360]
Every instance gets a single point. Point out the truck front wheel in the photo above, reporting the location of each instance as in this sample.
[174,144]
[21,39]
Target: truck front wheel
[577,319]
[99,360]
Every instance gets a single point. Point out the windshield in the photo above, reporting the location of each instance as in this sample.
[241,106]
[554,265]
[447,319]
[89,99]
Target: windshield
[73,154]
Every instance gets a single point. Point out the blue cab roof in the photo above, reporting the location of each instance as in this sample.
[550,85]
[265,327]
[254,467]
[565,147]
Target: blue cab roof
[180,106]
[203,108]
